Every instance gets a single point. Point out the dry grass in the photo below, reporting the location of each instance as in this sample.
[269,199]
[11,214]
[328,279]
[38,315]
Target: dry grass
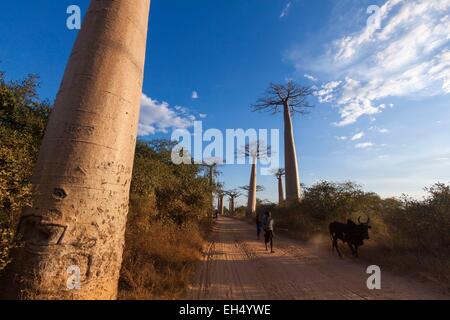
[159,258]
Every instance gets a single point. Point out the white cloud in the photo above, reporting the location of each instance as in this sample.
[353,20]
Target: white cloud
[326,93]
[195,95]
[364,145]
[202,115]
[358,136]
[286,10]
[408,57]
[342,138]
[380,130]
[310,77]
[160,117]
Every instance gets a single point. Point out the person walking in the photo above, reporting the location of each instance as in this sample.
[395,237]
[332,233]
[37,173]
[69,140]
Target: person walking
[259,225]
[268,232]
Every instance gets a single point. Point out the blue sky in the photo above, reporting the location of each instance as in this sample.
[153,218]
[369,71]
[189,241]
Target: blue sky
[381,115]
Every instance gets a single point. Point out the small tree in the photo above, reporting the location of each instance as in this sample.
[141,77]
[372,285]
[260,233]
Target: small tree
[290,98]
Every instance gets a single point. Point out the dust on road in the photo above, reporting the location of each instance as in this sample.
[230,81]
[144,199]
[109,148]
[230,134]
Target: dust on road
[237,267]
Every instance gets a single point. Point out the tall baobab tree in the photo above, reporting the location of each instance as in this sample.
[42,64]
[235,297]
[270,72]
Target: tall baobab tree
[290,98]
[233,194]
[279,174]
[83,172]
[254,190]
[254,151]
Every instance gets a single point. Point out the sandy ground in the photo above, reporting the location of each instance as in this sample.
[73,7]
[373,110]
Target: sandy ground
[237,267]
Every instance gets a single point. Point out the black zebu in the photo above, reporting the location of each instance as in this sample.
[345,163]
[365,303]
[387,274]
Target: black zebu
[351,233]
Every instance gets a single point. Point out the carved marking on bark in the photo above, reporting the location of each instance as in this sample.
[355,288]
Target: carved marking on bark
[77,131]
[38,233]
[59,193]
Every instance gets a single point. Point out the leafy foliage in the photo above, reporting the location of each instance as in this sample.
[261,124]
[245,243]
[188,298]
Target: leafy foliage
[22,123]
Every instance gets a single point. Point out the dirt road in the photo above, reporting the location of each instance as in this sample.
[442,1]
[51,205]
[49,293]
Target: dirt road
[237,267]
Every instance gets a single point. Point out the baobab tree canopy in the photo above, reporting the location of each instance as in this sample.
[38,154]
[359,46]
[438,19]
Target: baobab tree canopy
[279,95]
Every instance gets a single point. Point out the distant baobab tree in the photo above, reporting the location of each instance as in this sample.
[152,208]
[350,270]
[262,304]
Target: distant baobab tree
[211,166]
[279,174]
[254,190]
[220,195]
[254,151]
[289,98]
[233,194]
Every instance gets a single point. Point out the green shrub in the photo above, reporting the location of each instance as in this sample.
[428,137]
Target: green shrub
[22,124]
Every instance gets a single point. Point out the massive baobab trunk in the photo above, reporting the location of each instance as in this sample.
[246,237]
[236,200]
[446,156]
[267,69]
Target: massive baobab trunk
[251,205]
[280,191]
[290,158]
[82,176]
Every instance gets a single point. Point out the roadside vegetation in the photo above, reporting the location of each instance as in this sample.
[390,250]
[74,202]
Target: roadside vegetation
[170,206]
[23,117]
[170,212]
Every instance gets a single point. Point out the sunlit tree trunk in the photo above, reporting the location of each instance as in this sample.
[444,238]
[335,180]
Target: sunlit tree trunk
[280,191]
[82,177]
[221,206]
[251,205]
[231,204]
[290,158]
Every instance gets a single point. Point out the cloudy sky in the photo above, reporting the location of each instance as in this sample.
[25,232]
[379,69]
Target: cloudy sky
[380,71]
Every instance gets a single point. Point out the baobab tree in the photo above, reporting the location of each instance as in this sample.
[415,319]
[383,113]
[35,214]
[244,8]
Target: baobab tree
[290,98]
[254,190]
[211,166]
[279,174]
[76,227]
[220,205]
[233,194]
[254,151]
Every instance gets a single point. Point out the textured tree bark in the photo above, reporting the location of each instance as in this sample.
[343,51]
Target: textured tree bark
[82,176]
[221,206]
[280,191]
[290,159]
[251,205]
[232,204]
